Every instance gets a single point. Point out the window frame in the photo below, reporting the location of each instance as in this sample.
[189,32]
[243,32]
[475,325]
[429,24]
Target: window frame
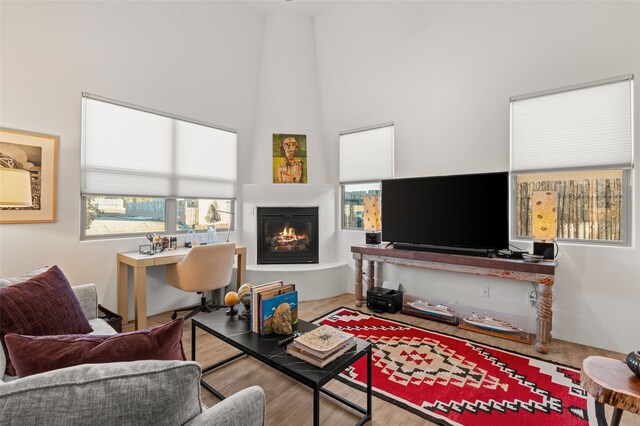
[170,199]
[625,212]
[343,183]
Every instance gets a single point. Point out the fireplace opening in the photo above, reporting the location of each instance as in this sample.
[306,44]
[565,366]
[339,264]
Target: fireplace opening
[287,235]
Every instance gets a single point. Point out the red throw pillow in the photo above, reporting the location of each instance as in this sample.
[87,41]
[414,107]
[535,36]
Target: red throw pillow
[43,305]
[37,354]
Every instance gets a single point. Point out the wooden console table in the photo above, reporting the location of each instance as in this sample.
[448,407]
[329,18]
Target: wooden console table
[139,262]
[540,274]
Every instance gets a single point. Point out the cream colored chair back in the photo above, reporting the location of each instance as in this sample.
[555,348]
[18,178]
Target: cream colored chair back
[204,268]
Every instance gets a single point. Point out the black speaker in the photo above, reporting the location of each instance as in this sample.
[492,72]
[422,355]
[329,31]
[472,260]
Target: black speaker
[546,250]
[373,237]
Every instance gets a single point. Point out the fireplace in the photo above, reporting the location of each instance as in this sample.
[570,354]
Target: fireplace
[287,235]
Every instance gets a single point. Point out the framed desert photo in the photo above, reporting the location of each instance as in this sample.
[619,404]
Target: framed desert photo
[27,177]
[289,158]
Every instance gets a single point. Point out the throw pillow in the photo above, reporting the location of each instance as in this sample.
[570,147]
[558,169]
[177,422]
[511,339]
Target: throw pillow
[43,305]
[37,354]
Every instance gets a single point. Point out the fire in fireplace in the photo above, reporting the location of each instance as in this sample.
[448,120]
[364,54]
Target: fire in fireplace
[287,235]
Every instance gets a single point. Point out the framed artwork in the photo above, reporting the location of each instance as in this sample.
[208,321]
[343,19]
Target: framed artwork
[289,158]
[28,169]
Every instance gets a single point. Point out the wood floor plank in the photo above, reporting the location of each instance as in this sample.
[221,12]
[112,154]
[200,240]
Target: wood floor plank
[289,402]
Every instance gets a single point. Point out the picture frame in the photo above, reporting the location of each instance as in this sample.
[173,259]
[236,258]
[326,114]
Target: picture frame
[37,154]
[289,158]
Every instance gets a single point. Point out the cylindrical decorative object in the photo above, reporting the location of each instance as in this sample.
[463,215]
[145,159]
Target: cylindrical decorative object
[372,219]
[372,215]
[543,215]
[633,361]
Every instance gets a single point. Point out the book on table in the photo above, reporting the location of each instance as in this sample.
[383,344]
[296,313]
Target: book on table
[321,346]
[255,291]
[302,354]
[268,305]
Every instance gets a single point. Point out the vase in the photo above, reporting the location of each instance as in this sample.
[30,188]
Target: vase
[633,361]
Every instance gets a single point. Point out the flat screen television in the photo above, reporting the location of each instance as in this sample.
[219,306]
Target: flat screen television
[465,214]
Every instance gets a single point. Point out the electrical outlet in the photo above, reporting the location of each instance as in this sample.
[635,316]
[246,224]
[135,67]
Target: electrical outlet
[532,299]
[484,291]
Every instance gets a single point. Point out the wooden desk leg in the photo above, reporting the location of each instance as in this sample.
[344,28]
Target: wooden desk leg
[140,296]
[543,323]
[371,274]
[359,282]
[242,269]
[123,292]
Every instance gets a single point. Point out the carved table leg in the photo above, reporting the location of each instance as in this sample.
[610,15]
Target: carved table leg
[359,282]
[543,323]
[371,279]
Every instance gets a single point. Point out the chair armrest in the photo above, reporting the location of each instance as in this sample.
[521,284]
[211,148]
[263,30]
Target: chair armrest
[244,408]
[87,295]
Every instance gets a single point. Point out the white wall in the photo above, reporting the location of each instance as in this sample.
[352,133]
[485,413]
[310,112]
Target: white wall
[288,97]
[444,72]
[198,60]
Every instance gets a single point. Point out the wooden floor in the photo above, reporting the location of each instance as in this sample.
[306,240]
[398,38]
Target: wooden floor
[291,403]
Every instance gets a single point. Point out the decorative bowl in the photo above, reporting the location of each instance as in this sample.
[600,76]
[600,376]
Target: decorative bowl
[532,258]
[633,361]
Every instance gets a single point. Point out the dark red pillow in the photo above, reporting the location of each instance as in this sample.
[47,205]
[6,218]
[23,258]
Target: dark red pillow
[37,354]
[43,305]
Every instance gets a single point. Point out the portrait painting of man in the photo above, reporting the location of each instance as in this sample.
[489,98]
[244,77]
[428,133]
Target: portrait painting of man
[289,158]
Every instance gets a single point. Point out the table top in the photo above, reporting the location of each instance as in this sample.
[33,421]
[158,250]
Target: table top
[237,332]
[366,250]
[611,382]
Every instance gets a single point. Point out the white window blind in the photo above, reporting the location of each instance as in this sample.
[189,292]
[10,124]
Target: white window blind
[366,155]
[130,151]
[585,127]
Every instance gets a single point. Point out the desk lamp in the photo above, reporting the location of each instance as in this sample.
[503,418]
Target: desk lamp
[543,222]
[372,219]
[15,188]
[214,213]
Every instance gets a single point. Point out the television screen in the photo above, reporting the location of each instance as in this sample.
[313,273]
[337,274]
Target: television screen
[461,211]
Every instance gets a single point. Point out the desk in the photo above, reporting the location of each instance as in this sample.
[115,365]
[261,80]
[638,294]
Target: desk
[139,262]
[610,382]
[540,274]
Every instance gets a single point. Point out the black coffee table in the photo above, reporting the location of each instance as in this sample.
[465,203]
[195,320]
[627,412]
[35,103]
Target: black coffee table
[237,333]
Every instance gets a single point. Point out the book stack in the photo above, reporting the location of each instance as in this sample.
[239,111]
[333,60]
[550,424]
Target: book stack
[321,346]
[265,300]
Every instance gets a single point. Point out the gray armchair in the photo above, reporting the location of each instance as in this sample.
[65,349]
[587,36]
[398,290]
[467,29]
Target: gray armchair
[124,393]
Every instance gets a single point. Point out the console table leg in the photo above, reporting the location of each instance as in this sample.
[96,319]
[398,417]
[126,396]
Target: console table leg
[371,274]
[543,323]
[359,282]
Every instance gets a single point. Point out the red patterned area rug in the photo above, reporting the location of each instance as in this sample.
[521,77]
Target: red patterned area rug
[452,381]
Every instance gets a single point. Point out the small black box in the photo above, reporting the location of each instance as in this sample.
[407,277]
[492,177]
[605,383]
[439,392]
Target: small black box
[384,300]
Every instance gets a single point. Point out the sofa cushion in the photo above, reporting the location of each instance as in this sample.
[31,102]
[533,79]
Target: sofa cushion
[37,354]
[136,393]
[43,305]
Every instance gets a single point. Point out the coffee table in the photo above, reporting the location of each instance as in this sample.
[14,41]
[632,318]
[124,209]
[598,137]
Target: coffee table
[237,332]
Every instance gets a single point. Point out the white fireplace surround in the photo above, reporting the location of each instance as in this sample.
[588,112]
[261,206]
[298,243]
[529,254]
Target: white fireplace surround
[313,281]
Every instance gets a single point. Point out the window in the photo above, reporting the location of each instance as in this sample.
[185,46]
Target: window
[352,209]
[577,142]
[147,171]
[197,214]
[106,215]
[366,157]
